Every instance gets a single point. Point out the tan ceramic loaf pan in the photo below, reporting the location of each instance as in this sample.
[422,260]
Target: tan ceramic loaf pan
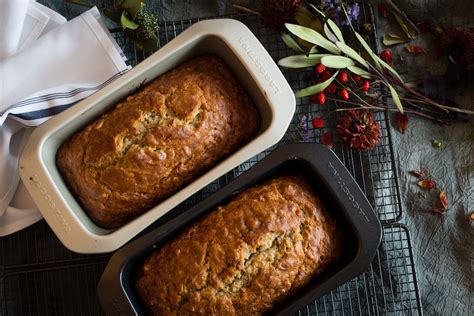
[227,38]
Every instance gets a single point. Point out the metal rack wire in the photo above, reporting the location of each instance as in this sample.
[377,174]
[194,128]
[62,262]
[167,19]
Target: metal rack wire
[39,276]
[68,287]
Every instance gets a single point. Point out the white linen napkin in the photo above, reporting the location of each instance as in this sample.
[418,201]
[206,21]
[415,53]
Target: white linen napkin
[12,17]
[63,66]
[56,66]
[39,20]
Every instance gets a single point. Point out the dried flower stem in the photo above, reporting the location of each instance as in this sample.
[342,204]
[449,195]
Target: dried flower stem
[246,10]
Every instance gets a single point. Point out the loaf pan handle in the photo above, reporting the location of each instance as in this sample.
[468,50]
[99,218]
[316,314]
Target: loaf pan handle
[347,192]
[112,295]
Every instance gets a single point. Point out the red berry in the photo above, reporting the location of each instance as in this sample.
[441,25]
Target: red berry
[313,98]
[344,94]
[321,98]
[386,56]
[356,78]
[365,85]
[317,122]
[320,68]
[343,77]
[331,88]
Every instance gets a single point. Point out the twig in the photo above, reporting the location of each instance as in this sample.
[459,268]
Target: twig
[244,9]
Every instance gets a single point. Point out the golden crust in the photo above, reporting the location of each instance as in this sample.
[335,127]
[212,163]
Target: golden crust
[157,140]
[244,257]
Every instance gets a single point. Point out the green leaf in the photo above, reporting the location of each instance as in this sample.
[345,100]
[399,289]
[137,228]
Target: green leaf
[347,16]
[132,7]
[127,22]
[337,62]
[359,71]
[301,61]
[316,88]
[390,40]
[352,54]
[395,98]
[303,16]
[410,31]
[291,43]
[317,10]
[368,50]
[329,33]
[312,36]
[336,30]
[389,68]
[313,50]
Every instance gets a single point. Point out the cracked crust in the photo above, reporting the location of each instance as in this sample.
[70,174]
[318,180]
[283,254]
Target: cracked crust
[244,257]
[157,140]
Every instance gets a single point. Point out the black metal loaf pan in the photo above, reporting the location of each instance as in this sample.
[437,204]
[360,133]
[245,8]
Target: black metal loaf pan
[334,184]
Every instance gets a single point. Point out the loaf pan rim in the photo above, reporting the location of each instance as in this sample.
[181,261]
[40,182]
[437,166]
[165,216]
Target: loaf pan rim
[113,284]
[66,221]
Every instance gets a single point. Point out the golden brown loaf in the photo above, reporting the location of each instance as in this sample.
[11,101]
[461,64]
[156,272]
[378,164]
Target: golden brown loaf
[157,140]
[244,257]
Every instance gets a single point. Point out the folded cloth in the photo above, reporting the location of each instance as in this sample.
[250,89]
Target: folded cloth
[21,213]
[39,20]
[63,66]
[12,17]
[11,144]
[53,59]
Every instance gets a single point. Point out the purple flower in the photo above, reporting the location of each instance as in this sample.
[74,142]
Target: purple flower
[333,8]
[354,12]
[303,128]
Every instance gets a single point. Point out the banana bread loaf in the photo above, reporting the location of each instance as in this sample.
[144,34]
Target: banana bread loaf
[157,139]
[244,257]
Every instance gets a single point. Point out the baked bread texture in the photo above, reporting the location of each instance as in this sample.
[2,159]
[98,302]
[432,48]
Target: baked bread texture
[157,140]
[244,257]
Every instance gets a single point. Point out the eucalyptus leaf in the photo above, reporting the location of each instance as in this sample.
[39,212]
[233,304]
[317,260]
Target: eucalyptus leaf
[291,43]
[317,25]
[335,29]
[312,36]
[303,16]
[329,33]
[389,68]
[396,98]
[317,10]
[304,43]
[347,16]
[390,40]
[369,50]
[316,88]
[337,62]
[313,50]
[410,31]
[301,61]
[359,71]
[127,22]
[352,54]
[307,19]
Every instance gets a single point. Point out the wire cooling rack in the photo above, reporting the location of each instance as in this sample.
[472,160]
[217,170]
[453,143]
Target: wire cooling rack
[38,276]
[46,279]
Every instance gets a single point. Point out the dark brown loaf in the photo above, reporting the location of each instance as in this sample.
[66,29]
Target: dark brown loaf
[244,257]
[157,140]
